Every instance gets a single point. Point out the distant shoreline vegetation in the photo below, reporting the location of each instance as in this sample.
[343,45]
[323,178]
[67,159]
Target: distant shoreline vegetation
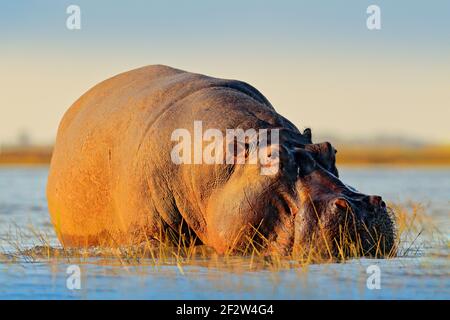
[25,155]
[432,155]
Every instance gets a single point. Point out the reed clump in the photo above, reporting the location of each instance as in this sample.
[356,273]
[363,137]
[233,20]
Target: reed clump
[415,231]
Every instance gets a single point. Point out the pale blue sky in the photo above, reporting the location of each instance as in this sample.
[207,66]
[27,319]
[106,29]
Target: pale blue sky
[315,60]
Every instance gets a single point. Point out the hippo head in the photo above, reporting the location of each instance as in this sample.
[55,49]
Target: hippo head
[304,208]
[332,217]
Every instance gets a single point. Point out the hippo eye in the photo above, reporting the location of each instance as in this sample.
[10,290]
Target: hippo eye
[305,163]
[303,170]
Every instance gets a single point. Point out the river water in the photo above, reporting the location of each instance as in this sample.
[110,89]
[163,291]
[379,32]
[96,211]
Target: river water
[23,204]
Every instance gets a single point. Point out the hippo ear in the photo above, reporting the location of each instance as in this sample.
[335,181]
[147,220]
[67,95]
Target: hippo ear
[307,134]
[325,154]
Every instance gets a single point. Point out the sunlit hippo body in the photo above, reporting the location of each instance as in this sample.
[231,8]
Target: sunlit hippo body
[112,180]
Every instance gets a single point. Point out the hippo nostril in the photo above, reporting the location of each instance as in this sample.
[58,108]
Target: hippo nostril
[340,203]
[376,200]
[383,204]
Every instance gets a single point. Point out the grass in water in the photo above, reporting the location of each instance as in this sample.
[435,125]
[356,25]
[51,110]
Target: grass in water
[415,231]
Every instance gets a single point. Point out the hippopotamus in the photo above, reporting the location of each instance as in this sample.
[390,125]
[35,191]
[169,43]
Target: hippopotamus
[112,180]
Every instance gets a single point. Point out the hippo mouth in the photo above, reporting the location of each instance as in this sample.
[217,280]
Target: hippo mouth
[358,226]
[374,229]
[377,233]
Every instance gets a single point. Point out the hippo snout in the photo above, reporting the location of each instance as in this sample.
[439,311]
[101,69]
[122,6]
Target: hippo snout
[377,201]
[362,207]
[363,220]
